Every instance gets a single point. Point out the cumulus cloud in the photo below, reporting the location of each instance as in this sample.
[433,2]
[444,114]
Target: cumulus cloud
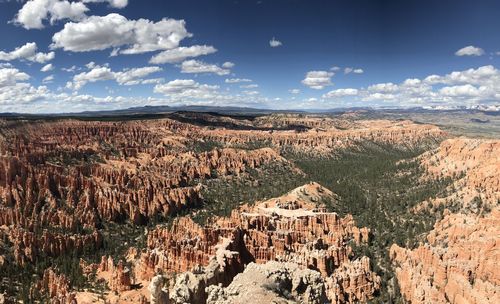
[182,91]
[196,67]
[27,52]
[112,3]
[96,73]
[467,87]
[487,74]
[318,79]
[466,90]
[186,89]
[275,43]
[294,91]
[34,12]
[47,68]
[10,76]
[136,75]
[387,87]
[237,80]
[470,51]
[379,97]
[341,93]
[15,90]
[115,31]
[182,53]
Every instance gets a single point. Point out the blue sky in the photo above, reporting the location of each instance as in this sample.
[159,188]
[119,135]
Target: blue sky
[66,56]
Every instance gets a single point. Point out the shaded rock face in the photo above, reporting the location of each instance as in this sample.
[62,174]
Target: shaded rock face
[459,264]
[293,229]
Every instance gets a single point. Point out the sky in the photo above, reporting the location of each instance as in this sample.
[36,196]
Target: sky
[70,56]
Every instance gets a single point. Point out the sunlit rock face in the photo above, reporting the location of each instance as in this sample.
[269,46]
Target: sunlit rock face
[61,181]
[291,230]
[459,265]
[459,262]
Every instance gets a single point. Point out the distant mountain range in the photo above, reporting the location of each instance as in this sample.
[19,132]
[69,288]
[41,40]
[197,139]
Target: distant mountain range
[158,111]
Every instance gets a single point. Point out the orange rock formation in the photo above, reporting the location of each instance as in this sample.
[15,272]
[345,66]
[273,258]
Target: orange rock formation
[292,228]
[459,264]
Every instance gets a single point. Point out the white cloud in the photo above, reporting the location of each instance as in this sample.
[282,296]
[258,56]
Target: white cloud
[27,52]
[465,90]
[353,70]
[152,81]
[412,82]
[115,31]
[181,53]
[335,68]
[341,93]
[71,69]
[379,97]
[249,86]
[47,68]
[467,87]
[470,51]
[135,76]
[384,87]
[485,74]
[34,12]
[48,79]
[15,90]
[186,88]
[96,73]
[112,3]
[251,93]
[318,79]
[196,67]
[294,91]
[10,76]
[228,65]
[275,43]
[237,80]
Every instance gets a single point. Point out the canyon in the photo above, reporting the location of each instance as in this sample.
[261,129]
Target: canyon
[119,211]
